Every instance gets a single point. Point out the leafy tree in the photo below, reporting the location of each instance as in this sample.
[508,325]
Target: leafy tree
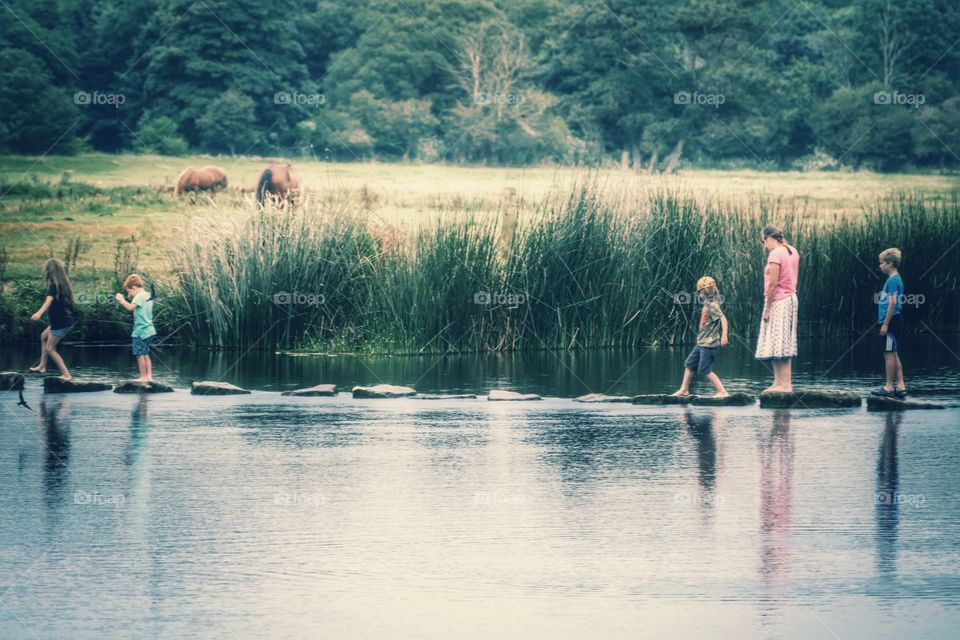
[229,123]
[159,135]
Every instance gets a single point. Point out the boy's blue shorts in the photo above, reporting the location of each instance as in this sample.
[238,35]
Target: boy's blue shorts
[701,359]
[893,341]
[141,346]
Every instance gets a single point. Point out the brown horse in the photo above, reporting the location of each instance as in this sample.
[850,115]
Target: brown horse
[206,179]
[280,182]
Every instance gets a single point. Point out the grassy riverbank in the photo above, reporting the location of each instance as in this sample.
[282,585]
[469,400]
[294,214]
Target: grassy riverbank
[408,258]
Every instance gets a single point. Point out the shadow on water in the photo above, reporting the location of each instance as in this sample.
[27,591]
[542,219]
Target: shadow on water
[887,509]
[776,453]
[56,433]
[139,429]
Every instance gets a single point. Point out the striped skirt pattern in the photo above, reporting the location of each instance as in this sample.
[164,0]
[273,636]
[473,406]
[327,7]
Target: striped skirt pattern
[778,337]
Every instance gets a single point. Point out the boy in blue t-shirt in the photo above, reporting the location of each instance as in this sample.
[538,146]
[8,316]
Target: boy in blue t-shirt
[890,319]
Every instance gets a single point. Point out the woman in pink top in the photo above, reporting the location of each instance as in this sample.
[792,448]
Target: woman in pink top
[778,329]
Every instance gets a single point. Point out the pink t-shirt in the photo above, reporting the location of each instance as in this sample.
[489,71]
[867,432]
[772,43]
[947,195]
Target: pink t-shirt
[789,272]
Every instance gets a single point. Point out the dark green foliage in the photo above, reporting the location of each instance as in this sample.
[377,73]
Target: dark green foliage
[655,83]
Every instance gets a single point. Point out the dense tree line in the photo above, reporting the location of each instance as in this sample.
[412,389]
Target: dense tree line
[649,83]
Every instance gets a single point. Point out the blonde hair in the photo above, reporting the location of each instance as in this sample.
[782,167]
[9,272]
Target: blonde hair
[56,272]
[133,280]
[891,255]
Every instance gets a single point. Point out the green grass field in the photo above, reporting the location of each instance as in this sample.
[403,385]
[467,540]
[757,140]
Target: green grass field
[134,197]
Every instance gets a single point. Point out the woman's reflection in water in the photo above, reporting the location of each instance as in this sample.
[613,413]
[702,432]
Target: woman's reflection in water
[776,499]
[887,509]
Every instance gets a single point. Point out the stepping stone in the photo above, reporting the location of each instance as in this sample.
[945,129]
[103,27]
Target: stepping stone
[732,400]
[135,386]
[384,391]
[53,384]
[464,396]
[809,399]
[319,390]
[11,381]
[210,388]
[661,398]
[876,403]
[600,398]
[504,395]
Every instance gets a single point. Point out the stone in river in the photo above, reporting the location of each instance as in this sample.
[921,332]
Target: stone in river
[601,397]
[11,381]
[384,391]
[459,396]
[661,398]
[876,403]
[318,390]
[212,388]
[733,400]
[52,384]
[136,386]
[809,399]
[504,395]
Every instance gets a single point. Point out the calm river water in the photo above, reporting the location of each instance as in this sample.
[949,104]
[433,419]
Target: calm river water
[173,516]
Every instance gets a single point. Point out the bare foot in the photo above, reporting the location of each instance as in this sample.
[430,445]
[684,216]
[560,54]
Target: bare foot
[38,369]
[680,394]
[66,377]
[775,389]
[722,395]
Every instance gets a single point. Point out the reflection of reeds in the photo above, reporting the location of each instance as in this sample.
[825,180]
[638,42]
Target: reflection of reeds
[595,266]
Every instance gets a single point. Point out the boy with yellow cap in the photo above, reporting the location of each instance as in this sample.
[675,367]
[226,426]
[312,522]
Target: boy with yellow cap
[713,334]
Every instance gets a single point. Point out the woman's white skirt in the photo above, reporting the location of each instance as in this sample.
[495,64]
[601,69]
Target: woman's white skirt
[778,337]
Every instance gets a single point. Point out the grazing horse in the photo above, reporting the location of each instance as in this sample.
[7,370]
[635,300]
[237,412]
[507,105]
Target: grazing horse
[279,181]
[206,179]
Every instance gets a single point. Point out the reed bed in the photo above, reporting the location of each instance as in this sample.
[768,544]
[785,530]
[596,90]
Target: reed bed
[588,266]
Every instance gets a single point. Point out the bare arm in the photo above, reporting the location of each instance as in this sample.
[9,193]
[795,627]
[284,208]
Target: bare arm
[771,289]
[891,307]
[43,309]
[129,306]
[724,339]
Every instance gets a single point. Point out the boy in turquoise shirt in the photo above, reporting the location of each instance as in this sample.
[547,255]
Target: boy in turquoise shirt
[141,303]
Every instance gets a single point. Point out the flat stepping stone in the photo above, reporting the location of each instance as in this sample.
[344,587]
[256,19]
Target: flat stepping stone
[310,392]
[732,400]
[11,381]
[462,396]
[601,398]
[57,385]
[502,395]
[135,386]
[661,398]
[211,388]
[384,391]
[876,403]
[809,399]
